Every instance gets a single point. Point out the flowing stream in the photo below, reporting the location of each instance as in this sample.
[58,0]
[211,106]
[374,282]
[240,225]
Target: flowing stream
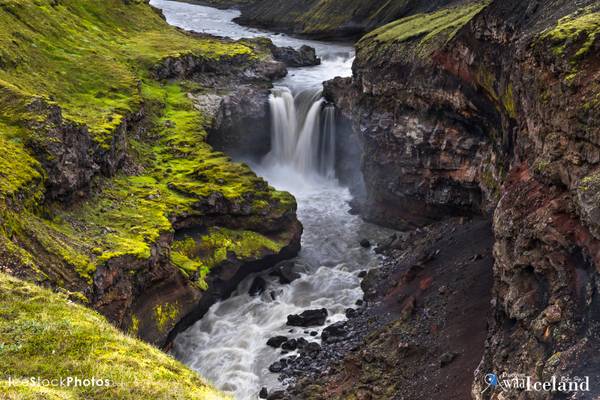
[228,345]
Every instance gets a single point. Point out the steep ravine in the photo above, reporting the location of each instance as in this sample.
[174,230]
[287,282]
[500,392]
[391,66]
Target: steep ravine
[494,109]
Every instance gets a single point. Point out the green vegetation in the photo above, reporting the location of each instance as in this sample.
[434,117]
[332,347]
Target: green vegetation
[87,57]
[423,33]
[501,94]
[69,68]
[44,335]
[201,253]
[165,314]
[93,60]
[574,34]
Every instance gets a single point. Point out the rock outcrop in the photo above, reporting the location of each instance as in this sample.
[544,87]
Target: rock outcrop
[492,108]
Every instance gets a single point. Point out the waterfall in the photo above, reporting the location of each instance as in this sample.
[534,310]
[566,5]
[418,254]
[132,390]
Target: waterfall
[302,132]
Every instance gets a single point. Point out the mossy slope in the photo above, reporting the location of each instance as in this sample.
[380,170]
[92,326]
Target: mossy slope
[93,60]
[421,34]
[44,335]
[79,91]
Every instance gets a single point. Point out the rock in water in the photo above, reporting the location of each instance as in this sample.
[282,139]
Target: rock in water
[365,243]
[276,367]
[290,345]
[305,56]
[308,318]
[258,286]
[285,273]
[276,341]
[263,394]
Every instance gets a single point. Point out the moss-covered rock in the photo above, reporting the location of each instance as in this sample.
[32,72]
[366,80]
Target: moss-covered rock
[421,34]
[45,336]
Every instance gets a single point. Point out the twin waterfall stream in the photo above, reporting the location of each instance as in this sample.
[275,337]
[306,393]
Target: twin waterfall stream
[228,345]
[303,132]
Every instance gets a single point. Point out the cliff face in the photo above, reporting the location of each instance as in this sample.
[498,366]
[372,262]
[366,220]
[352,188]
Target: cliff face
[494,108]
[325,18]
[109,191]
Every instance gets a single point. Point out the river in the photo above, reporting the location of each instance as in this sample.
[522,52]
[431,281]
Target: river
[228,345]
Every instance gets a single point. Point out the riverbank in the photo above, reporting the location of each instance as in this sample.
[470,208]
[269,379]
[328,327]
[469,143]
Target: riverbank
[421,328]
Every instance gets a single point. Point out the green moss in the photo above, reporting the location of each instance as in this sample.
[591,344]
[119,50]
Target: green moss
[165,315]
[92,59]
[134,326]
[87,56]
[61,339]
[21,175]
[574,35]
[424,32]
[130,213]
[198,254]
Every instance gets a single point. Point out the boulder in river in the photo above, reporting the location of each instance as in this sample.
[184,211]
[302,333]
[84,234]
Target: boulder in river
[308,318]
[258,286]
[276,367]
[286,273]
[305,56]
[276,341]
[264,393]
[290,345]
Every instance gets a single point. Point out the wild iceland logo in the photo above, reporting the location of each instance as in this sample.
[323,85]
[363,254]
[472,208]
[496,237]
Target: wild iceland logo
[521,382]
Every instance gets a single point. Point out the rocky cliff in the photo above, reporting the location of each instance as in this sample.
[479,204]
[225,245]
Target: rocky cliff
[327,19]
[109,192]
[492,107]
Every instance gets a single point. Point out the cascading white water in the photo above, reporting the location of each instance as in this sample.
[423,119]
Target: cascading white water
[302,132]
[228,345]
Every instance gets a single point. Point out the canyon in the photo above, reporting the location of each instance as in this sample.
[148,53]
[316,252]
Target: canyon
[447,185]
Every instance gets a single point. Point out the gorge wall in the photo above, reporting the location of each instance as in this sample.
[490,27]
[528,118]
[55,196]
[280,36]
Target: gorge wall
[493,108]
[326,19]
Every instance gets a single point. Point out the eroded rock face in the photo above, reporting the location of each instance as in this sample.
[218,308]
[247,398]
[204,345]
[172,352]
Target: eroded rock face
[68,152]
[241,124]
[499,119]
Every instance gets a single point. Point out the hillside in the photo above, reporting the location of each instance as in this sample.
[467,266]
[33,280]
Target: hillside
[109,193]
[60,339]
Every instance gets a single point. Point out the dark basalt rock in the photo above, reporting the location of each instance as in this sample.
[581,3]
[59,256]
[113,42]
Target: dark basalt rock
[276,341]
[263,394]
[305,56]
[308,318]
[290,345]
[278,395]
[258,286]
[286,273]
[334,332]
[487,123]
[276,367]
